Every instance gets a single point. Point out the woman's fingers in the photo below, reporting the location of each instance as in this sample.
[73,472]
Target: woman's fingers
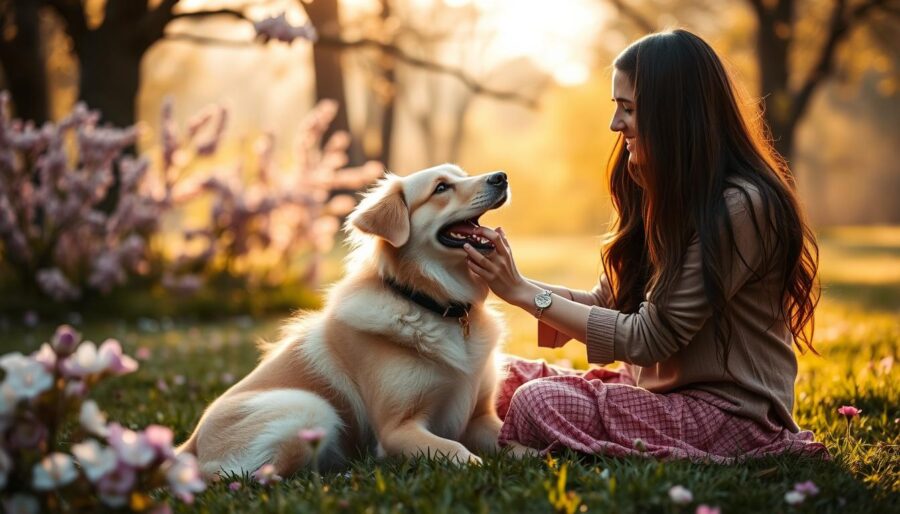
[505,242]
[476,257]
[478,270]
[495,239]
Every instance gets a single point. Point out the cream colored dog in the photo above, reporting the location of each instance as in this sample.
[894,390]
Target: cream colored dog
[401,361]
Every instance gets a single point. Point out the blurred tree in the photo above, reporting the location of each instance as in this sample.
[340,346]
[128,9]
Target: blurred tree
[790,70]
[435,97]
[110,37]
[22,59]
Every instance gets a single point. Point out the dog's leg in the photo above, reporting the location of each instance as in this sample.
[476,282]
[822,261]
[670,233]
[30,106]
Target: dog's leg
[483,427]
[411,438]
[481,433]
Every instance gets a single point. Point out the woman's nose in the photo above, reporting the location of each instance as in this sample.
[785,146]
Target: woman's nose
[616,125]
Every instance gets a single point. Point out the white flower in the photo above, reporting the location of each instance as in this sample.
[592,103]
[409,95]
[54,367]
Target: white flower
[26,376]
[6,465]
[794,497]
[46,356]
[92,419]
[184,477]
[55,470]
[95,460]
[680,495]
[132,447]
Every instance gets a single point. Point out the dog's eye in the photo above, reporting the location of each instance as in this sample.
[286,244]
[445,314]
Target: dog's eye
[441,187]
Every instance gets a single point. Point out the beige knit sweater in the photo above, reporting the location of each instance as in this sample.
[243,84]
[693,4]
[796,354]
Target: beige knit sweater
[682,355]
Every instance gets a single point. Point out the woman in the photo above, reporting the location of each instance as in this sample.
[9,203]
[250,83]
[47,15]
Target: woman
[709,277]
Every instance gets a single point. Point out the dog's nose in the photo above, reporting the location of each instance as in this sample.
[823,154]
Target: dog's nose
[497,179]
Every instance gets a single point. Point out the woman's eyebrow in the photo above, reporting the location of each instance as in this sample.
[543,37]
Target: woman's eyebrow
[623,100]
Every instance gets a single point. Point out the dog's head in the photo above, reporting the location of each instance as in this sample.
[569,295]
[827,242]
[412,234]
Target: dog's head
[418,225]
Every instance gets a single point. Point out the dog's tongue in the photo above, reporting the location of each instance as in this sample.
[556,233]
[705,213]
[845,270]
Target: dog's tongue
[465,228]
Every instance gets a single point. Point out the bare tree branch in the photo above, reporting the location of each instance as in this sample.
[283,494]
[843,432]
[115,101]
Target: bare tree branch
[840,27]
[475,86]
[632,14]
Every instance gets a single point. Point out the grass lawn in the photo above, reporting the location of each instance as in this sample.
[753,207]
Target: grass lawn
[858,332]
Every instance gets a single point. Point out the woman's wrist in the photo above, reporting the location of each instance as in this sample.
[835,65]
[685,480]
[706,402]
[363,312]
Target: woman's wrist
[524,297]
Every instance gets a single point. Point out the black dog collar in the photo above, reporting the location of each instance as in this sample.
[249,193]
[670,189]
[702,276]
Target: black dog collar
[451,310]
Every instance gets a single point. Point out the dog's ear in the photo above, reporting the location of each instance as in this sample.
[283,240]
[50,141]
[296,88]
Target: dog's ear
[384,214]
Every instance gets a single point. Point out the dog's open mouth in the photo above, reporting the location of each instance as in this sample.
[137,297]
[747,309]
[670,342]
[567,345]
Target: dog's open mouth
[458,233]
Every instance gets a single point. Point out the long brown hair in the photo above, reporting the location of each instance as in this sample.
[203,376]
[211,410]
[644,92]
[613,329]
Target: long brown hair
[695,141]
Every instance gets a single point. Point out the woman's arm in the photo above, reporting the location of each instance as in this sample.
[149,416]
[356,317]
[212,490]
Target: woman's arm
[647,336]
[600,295]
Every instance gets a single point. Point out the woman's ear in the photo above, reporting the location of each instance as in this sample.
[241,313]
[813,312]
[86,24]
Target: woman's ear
[384,214]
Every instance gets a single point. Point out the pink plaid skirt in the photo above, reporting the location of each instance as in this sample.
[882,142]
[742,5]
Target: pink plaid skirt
[602,412]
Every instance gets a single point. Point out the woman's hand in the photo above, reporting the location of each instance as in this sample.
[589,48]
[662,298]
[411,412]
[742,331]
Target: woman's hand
[498,269]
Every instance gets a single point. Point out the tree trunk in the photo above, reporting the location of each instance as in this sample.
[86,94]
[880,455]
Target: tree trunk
[328,71]
[110,64]
[23,64]
[773,39]
[389,109]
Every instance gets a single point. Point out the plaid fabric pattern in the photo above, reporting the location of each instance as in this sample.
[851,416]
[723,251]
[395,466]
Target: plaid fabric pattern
[601,411]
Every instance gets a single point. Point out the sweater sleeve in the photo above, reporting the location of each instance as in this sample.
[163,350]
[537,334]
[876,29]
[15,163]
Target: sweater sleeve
[600,295]
[549,337]
[644,338]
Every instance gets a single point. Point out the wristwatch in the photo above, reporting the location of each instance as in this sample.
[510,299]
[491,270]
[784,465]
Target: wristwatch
[542,301]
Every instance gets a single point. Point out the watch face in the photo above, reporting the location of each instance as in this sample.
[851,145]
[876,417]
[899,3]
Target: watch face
[543,300]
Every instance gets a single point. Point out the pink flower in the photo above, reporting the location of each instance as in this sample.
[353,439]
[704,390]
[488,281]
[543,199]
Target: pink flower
[848,411]
[706,509]
[95,460]
[266,475]
[143,353]
[93,419]
[160,438]
[312,435]
[133,448]
[184,477]
[65,340]
[90,360]
[278,28]
[55,470]
[46,356]
[808,488]
[76,389]
[118,482]
[234,486]
[30,319]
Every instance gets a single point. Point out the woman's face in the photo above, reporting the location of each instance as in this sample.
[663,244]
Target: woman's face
[625,118]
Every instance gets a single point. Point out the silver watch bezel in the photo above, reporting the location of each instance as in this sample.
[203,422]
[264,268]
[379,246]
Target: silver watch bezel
[543,299]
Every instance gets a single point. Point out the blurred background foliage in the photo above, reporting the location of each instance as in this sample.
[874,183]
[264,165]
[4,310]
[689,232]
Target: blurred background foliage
[522,86]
